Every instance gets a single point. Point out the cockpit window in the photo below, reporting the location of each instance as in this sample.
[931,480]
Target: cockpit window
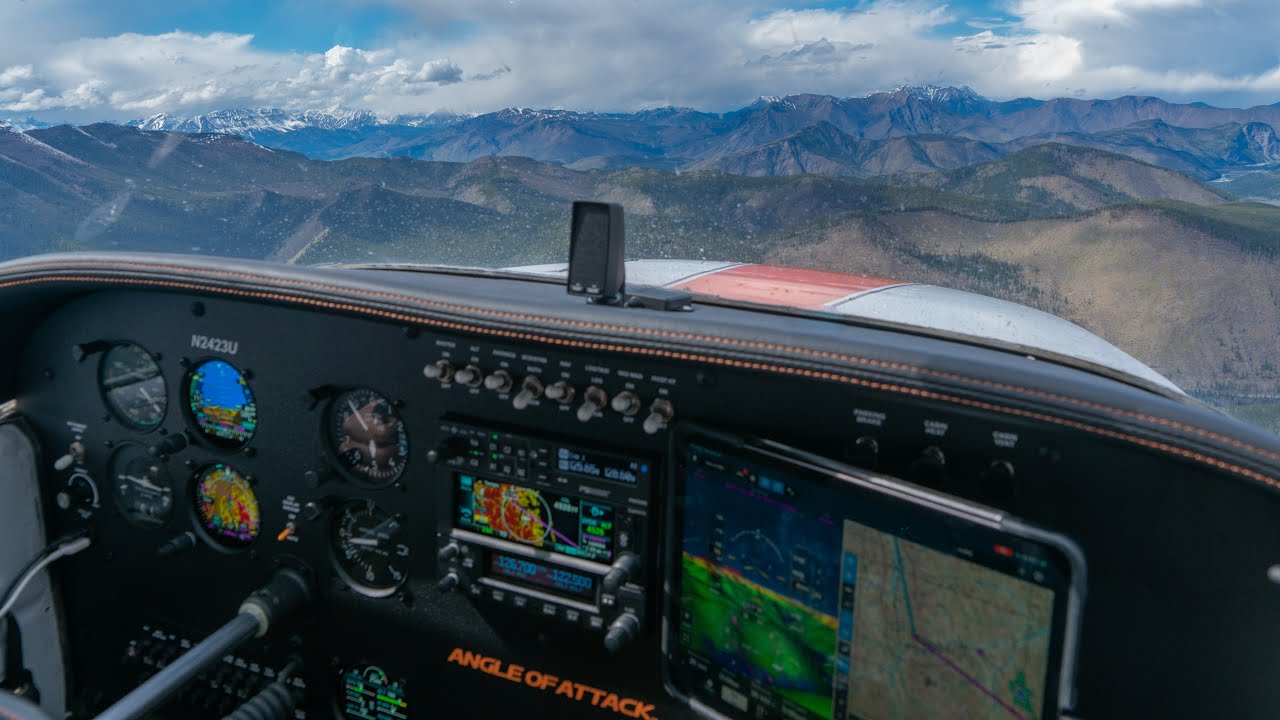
[1115,185]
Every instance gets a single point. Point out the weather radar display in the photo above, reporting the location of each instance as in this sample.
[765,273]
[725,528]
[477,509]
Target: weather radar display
[560,523]
[221,403]
[226,506]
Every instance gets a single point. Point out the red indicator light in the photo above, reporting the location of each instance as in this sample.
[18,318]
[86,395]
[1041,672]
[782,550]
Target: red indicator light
[1004,550]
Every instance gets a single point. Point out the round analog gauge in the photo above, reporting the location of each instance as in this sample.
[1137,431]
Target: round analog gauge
[142,488]
[221,403]
[132,386]
[226,508]
[366,692]
[367,551]
[367,436]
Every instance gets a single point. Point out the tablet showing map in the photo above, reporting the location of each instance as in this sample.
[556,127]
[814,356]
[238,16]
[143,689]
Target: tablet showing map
[804,589]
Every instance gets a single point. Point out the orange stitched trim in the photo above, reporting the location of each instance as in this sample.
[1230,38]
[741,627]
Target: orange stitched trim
[406,299]
[674,355]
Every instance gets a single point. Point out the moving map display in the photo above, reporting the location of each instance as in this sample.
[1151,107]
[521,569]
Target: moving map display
[559,523]
[927,634]
[801,596]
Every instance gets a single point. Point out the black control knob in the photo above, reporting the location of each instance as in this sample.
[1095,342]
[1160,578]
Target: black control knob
[170,445]
[77,494]
[997,481]
[441,370]
[865,452]
[594,399]
[471,376]
[625,567]
[449,582]
[316,477]
[621,631]
[931,467]
[449,552]
[499,381]
[530,390]
[560,391]
[660,413]
[625,403]
[179,544]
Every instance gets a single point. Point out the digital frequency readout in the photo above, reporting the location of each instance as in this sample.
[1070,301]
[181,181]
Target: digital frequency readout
[605,467]
[555,522]
[536,574]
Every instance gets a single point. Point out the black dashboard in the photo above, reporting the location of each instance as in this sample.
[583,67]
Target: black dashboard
[475,470]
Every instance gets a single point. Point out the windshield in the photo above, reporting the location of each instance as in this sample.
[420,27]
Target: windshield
[1085,160]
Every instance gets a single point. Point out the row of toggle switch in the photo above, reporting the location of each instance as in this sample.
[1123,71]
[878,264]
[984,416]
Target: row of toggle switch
[594,398]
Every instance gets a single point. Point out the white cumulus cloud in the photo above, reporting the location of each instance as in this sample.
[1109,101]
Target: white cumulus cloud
[714,54]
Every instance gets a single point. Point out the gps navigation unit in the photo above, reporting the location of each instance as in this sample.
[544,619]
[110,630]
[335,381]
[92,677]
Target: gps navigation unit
[805,589]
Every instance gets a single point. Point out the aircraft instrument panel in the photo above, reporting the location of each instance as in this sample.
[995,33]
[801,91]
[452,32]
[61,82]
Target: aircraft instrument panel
[507,512]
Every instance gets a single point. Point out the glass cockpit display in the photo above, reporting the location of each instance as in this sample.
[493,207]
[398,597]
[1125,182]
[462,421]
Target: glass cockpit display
[797,594]
[553,521]
[366,692]
[226,507]
[132,386]
[221,403]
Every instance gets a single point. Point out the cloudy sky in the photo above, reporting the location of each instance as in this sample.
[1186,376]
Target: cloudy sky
[85,60]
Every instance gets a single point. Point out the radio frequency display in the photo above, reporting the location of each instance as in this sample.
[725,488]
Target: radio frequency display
[605,467]
[549,577]
[555,522]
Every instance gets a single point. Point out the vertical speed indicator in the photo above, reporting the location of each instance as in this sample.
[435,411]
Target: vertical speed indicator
[366,548]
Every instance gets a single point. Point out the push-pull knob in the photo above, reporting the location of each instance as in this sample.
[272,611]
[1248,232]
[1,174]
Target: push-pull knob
[530,390]
[594,399]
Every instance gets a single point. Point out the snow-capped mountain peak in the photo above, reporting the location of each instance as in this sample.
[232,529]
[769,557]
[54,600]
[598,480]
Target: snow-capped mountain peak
[944,95]
[248,122]
[23,125]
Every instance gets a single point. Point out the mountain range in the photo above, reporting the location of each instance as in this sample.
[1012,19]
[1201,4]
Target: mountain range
[909,130]
[1176,272]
